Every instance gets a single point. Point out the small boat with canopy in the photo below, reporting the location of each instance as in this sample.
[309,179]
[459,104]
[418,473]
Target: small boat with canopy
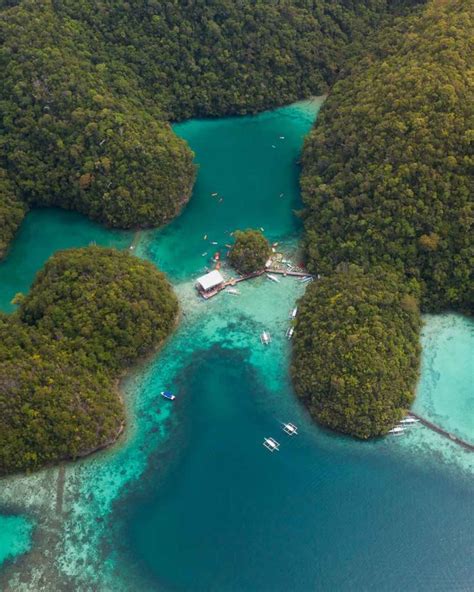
[168,395]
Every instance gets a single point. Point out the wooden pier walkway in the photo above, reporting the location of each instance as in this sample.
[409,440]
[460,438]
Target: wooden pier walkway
[441,432]
[233,281]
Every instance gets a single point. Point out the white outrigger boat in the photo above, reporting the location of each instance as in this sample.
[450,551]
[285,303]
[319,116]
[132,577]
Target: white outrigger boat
[232,291]
[293,313]
[306,279]
[289,333]
[271,444]
[409,421]
[273,278]
[397,431]
[290,429]
[265,338]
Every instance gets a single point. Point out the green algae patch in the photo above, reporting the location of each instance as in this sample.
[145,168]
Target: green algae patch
[90,315]
[356,353]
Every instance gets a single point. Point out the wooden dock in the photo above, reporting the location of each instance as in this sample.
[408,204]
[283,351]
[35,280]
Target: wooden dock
[441,432]
[233,281]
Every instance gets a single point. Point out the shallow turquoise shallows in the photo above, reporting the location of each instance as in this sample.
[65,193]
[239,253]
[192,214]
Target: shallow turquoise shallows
[190,500]
[447,378]
[15,536]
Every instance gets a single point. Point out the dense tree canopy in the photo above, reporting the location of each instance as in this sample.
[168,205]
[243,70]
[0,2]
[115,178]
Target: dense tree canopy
[250,251]
[69,141]
[87,88]
[90,314]
[387,181]
[12,211]
[356,352]
[388,169]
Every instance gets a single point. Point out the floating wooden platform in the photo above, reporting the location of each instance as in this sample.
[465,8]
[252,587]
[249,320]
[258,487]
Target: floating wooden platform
[441,432]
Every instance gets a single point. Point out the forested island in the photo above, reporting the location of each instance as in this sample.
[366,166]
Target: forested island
[387,183]
[91,313]
[250,251]
[87,94]
[356,355]
[387,171]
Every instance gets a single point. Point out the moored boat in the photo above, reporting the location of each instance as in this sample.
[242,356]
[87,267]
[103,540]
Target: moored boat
[271,444]
[168,395]
[290,429]
[273,278]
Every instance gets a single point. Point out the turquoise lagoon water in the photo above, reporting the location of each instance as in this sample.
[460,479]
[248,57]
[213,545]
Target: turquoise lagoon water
[248,178]
[42,233]
[190,500]
[447,377]
[15,536]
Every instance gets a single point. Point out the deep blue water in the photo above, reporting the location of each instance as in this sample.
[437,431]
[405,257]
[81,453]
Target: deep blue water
[228,516]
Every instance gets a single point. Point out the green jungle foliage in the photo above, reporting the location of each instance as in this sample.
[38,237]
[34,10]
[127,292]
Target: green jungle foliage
[220,57]
[67,140]
[388,169]
[356,351]
[12,212]
[87,88]
[250,251]
[90,314]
